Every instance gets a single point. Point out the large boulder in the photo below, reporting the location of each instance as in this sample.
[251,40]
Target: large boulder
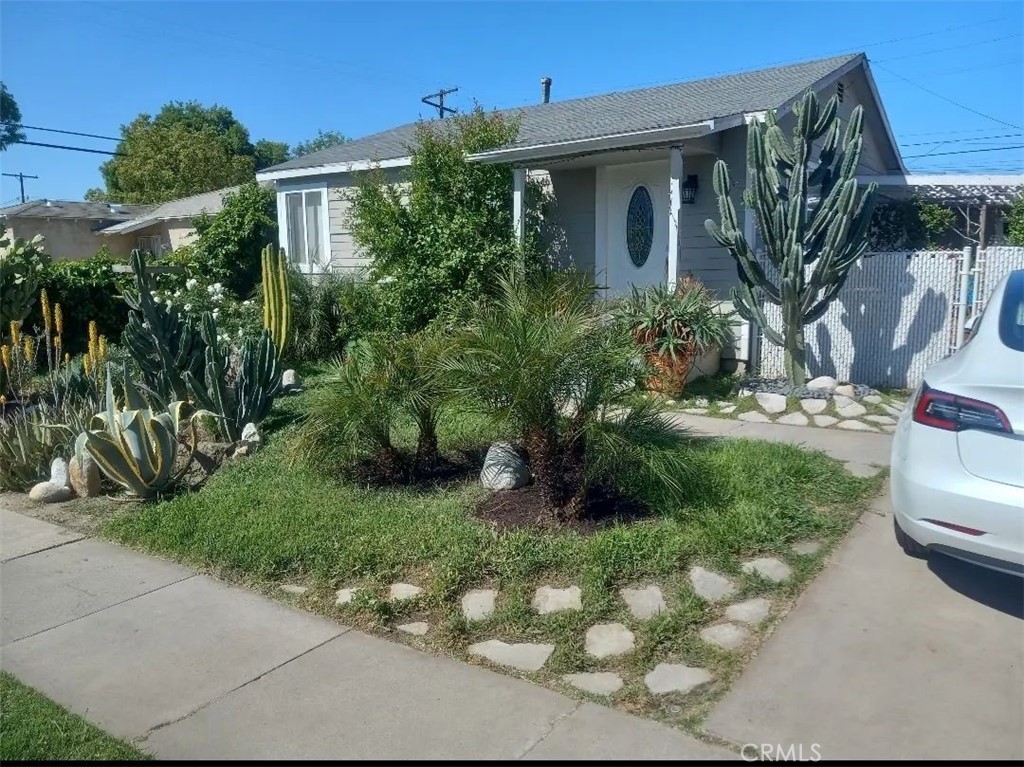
[85,476]
[290,382]
[828,383]
[504,468]
[49,492]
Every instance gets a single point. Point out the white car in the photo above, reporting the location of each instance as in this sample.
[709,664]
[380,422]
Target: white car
[957,480]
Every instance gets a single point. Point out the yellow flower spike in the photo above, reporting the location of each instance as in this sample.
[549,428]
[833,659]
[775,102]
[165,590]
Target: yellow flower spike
[15,333]
[86,364]
[103,347]
[3,400]
[56,343]
[58,319]
[29,348]
[93,332]
[5,356]
[67,358]
[44,302]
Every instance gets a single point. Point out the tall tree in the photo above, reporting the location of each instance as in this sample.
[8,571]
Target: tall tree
[323,140]
[270,153]
[10,119]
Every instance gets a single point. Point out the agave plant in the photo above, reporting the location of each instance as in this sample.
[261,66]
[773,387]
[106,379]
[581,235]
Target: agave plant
[137,447]
[28,442]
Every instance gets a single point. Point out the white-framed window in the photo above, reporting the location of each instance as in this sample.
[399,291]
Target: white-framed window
[152,244]
[304,227]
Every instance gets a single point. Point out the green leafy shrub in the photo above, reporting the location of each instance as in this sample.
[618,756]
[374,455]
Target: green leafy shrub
[330,312]
[22,264]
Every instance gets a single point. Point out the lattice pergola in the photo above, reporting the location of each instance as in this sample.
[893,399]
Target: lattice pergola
[952,189]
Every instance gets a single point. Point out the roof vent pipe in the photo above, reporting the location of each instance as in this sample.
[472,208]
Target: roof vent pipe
[545,89]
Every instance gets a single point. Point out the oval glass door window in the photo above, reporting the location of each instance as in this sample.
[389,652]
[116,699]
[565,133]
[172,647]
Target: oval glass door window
[640,226]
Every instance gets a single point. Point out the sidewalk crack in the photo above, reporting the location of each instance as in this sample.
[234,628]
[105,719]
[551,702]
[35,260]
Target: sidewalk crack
[550,728]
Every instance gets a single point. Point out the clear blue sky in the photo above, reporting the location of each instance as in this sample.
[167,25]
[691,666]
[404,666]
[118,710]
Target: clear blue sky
[288,69]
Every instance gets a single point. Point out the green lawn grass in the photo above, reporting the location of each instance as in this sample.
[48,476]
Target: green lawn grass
[34,728]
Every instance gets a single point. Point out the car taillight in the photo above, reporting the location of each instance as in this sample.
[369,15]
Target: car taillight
[954,413]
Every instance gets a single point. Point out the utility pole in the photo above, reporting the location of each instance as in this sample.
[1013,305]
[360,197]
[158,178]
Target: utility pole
[21,179]
[439,104]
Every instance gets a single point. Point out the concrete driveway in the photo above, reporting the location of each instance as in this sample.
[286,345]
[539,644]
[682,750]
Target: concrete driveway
[885,656]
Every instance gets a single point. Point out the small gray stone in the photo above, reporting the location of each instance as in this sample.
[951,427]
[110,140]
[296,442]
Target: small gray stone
[419,628]
[769,568]
[346,595]
[728,636]
[701,402]
[710,585]
[827,383]
[858,469]
[814,405]
[695,410]
[291,588]
[847,408]
[793,419]
[752,612]
[504,468]
[548,600]
[478,604]
[824,420]
[855,426]
[874,399]
[846,390]
[754,416]
[59,473]
[675,677]
[48,492]
[524,657]
[644,603]
[806,548]
[290,380]
[85,476]
[882,419]
[597,683]
[771,403]
[400,591]
[727,409]
[251,434]
[607,639]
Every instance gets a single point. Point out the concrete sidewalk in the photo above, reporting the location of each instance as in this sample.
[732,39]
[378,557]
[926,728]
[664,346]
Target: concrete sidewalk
[191,668]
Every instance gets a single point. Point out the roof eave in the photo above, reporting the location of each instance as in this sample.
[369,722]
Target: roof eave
[330,169]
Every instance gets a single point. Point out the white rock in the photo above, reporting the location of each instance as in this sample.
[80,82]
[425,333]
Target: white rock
[47,492]
[400,591]
[525,657]
[754,416]
[728,636]
[597,683]
[822,382]
[644,603]
[769,568]
[695,410]
[290,380]
[710,585]
[419,628]
[806,548]
[771,403]
[675,677]
[727,409]
[792,419]
[847,408]
[874,399]
[59,473]
[548,600]
[824,420]
[504,468]
[855,426]
[84,476]
[607,639]
[883,419]
[251,434]
[701,402]
[344,596]
[291,588]
[753,611]
[814,405]
[478,604]
[744,392]
[845,390]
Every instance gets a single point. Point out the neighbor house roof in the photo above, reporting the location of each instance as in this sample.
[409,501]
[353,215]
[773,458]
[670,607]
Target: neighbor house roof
[607,115]
[184,208]
[94,211]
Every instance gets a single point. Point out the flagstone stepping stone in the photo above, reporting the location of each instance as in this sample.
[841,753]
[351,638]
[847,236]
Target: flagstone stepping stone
[402,591]
[723,403]
[675,677]
[727,409]
[814,406]
[854,426]
[822,382]
[607,639]
[845,390]
[874,399]
[419,628]
[753,611]
[695,410]
[701,402]
[346,595]
[598,683]
[824,420]
[806,548]
[889,429]
[893,411]
[524,657]
[754,416]
[744,392]
[769,568]
[478,604]
[771,403]
[882,419]
[290,588]
[847,408]
[644,603]
[861,469]
[898,404]
[710,585]
[728,636]
[551,600]
[793,419]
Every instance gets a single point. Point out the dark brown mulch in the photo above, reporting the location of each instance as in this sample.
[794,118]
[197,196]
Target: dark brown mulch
[524,509]
[446,470]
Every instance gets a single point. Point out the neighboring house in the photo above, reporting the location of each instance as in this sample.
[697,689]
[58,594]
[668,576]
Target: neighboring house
[72,229]
[630,172]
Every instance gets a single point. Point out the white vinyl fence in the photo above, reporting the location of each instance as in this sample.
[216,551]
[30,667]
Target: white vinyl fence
[896,315]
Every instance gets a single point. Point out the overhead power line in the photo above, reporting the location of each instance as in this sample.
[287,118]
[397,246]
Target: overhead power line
[68,132]
[966,151]
[979,140]
[974,44]
[70,148]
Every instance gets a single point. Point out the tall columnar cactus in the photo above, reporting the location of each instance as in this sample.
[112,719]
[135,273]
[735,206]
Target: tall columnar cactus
[164,343]
[277,297]
[811,240]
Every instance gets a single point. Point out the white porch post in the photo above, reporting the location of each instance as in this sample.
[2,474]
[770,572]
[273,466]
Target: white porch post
[519,203]
[675,206]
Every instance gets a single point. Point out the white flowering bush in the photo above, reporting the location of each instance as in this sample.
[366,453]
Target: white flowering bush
[235,319]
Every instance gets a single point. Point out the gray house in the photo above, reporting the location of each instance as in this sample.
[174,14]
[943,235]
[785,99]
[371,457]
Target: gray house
[630,171]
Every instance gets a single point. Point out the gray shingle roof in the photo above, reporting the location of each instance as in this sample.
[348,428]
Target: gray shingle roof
[185,207]
[96,211]
[611,113]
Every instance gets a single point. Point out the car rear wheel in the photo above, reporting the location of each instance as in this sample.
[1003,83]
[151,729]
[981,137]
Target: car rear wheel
[909,545]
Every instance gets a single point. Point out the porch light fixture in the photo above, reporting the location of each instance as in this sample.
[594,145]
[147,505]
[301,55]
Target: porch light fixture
[689,191]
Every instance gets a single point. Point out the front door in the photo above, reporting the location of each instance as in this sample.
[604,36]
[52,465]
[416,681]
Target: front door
[637,221]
